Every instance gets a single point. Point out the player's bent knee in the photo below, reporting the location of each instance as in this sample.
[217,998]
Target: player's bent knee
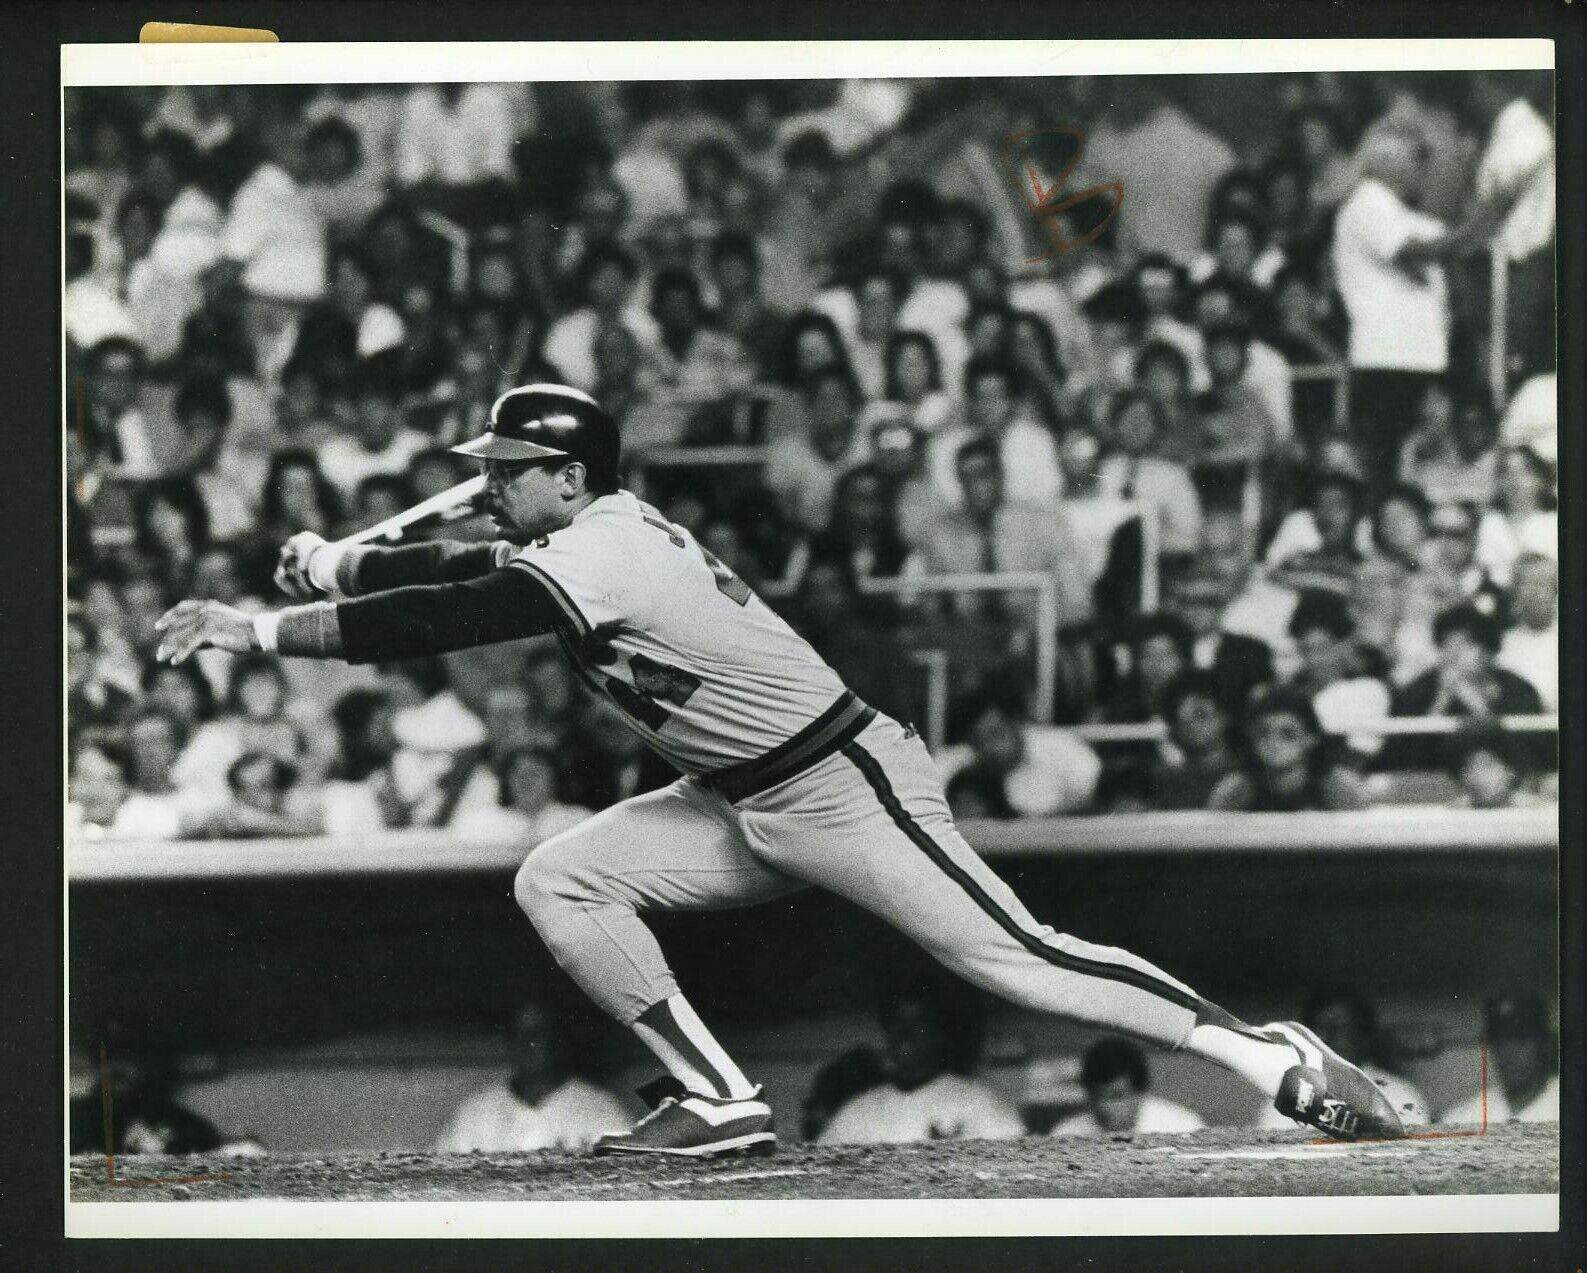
[551,875]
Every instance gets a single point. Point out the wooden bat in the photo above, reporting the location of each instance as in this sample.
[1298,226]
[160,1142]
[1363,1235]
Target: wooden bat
[449,500]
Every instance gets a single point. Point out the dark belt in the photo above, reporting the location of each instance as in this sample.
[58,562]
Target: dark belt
[831,731]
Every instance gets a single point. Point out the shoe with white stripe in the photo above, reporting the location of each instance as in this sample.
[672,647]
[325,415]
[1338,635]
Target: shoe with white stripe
[1328,1093]
[685,1124]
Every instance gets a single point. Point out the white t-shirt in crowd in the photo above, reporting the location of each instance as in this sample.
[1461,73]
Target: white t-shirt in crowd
[494,1120]
[1398,321]
[950,1107]
[1156,1115]
[1520,155]
[1500,541]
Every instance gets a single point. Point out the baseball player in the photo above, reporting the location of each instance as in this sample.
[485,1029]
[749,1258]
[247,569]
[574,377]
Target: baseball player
[789,779]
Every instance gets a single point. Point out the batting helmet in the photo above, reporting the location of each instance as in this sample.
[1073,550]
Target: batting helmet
[536,422]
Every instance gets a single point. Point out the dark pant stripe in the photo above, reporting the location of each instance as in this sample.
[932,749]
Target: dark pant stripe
[867,765]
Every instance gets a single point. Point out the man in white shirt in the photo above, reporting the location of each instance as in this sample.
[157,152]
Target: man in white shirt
[1398,302]
[932,1041]
[274,240]
[1523,1067]
[802,469]
[1115,1078]
[542,1104]
[1041,770]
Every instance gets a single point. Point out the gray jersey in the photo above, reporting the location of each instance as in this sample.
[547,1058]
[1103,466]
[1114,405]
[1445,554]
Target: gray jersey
[703,669]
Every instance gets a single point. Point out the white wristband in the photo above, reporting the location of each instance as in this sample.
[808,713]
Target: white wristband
[267,628]
[323,564]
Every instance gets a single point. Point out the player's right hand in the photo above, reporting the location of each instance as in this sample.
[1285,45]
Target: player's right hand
[292,566]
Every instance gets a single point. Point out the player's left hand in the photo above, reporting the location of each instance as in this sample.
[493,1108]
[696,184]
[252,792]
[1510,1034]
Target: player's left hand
[198,625]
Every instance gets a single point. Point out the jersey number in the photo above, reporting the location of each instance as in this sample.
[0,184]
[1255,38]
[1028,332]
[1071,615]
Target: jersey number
[727,583]
[655,683]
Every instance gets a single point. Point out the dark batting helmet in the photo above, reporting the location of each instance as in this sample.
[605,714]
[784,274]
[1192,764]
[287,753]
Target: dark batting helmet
[539,422]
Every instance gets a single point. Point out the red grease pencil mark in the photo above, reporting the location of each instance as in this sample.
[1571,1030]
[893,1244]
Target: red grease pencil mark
[1480,1131]
[110,1140]
[1020,155]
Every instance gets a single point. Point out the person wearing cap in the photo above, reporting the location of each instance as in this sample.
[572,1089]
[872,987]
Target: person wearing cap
[790,779]
[1523,1066]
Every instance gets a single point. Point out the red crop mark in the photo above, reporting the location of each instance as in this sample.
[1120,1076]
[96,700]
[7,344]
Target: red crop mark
[1479,1131]
[1020,155]
[111,1178]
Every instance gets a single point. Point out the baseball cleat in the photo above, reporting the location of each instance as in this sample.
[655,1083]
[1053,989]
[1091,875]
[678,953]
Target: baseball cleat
[1328,1093]
[685,1124]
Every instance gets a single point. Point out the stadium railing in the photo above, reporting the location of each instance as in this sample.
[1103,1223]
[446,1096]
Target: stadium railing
[1381,727]
[1385,829]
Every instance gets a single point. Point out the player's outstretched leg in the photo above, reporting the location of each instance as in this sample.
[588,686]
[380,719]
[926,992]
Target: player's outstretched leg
[583,891]
[886,840]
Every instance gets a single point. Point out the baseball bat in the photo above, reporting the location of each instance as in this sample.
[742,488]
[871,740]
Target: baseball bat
[444,502]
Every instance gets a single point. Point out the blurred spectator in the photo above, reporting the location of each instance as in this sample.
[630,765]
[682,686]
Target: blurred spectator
[1532,418]
[803,469]
[274,243]
[1237,663]
[528,811]
[1451,567]
[150,1119]
[862,536]
[1467,681]
[912,387]
[362,796]
[1163,373]
[460,135]
[1392,599]
[1167,163]
[605,279]
[1336,670]
[1449,456]
[835,1084]
[1200,754]
[105,419]
[1157,648]
[1040,770]
[91,310]
[227,479]
[1317,547]
[1523,518]
[382,443]
[1399,314]
[296,497]
[171,528]
[348,324]
[1524,1065]
[100,801]
[1133,469]
[1115,1077]
[1347,1022]
[1530,646]
[696,362]
[931,1045]
[1485,761]
[158,808]
[898,453]
[1318,139]
[93,698]
[546,1102]
[1222,304]
[812,344]
[256,719]
[988,532]
[1029,454]
[1299,331]
[743,310]
[182,690]
[259,789]
[1291,766]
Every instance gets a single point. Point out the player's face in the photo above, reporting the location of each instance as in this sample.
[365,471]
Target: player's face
[1115,1105]
[527,500]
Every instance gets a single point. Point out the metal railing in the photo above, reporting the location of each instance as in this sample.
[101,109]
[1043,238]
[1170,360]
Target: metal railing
[1422,830]
[1379,727]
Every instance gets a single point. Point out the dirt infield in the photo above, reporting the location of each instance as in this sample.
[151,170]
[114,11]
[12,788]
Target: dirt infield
[1511,1159]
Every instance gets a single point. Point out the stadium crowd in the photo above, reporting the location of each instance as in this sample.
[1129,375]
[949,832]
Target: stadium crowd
[1252,437]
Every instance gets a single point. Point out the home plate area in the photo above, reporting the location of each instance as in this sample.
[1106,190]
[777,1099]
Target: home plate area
[1517,1158]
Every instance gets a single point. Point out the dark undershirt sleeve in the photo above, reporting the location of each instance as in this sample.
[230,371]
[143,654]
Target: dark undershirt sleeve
[367,569]
[410,623]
